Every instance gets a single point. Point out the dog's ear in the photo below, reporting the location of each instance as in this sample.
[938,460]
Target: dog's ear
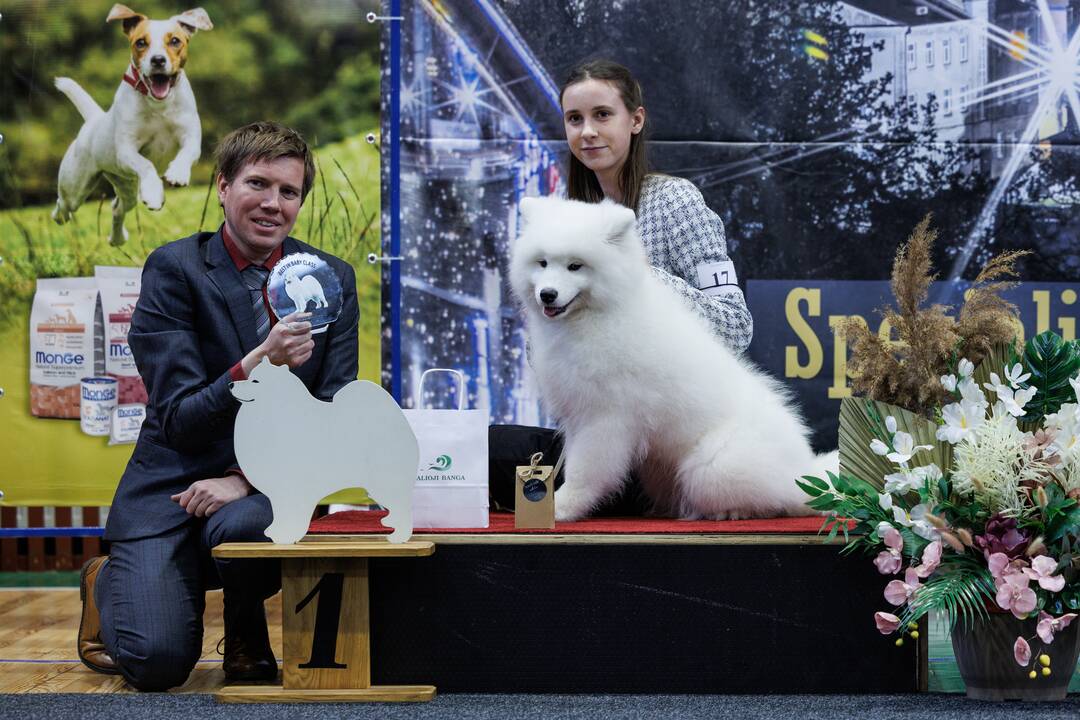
[620,219]
[527,206]
[129,16]
[194,19]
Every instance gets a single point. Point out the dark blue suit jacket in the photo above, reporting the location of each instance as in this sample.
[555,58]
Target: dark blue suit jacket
[192,323]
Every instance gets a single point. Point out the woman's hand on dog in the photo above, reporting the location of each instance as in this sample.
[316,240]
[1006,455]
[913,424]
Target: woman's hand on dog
[205,497]
[289,343]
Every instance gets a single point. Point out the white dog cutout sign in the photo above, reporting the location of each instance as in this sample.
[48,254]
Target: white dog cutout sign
[296,449]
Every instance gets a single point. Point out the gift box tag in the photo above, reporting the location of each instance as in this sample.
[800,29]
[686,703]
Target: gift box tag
[534,495]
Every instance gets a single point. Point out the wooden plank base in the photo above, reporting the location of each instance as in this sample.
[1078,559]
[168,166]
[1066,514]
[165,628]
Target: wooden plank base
[278,694]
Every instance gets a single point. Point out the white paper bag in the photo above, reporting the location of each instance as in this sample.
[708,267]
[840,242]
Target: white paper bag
[452,481]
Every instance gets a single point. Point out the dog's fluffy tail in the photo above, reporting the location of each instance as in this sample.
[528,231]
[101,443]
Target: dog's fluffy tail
[79,97]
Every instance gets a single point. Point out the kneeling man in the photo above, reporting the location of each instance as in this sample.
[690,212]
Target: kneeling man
[202,322]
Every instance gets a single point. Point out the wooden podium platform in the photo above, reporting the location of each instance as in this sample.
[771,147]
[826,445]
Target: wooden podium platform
[325,622]
[573,613]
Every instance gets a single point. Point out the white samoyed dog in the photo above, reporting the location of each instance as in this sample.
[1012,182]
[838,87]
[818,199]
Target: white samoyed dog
[638,380]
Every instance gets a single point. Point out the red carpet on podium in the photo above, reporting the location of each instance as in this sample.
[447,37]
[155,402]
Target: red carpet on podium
[362,522]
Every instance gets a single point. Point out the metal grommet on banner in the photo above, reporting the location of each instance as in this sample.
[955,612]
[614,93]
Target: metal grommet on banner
[371,138]
[373,258]
[372,17]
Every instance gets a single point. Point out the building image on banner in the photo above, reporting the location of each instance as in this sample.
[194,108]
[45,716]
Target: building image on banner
[820,133]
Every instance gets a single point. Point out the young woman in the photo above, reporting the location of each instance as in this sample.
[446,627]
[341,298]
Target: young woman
[605,121]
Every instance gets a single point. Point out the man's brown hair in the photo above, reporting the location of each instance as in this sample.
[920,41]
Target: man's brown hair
[261,141]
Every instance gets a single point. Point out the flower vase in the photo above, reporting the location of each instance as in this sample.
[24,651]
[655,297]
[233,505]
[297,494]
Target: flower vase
[984,656]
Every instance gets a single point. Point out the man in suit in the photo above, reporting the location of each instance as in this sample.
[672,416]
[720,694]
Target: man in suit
[202,321]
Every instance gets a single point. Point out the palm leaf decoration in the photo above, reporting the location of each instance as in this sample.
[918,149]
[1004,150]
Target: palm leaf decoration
[1051,362]
[1000,355]
[961,589]
[862,420]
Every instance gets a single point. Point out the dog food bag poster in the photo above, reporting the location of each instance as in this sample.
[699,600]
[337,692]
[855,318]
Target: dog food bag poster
[118,291]
[62,346]
[110,113]
[819,132]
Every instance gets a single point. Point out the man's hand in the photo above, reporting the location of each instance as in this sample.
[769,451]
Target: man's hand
[289,343]
[205,497]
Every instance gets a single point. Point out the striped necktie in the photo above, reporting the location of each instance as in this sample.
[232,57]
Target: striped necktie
[255,278]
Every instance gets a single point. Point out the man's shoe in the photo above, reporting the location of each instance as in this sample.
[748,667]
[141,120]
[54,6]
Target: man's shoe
[91,650]
[248,655]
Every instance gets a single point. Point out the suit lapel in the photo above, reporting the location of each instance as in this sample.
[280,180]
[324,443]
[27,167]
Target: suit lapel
[223,273]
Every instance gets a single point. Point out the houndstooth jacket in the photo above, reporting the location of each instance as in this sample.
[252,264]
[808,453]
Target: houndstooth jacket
[686,246]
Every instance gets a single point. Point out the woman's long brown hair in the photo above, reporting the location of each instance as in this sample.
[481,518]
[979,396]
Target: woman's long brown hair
[582,183]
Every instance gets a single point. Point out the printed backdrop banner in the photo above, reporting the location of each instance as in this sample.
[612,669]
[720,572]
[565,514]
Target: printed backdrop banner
[820,132]
[313,66]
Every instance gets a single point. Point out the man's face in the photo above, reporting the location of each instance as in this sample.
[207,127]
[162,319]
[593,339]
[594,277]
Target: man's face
[261,204]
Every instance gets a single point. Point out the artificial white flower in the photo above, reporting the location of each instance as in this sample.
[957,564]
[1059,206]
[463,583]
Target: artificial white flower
[1014,377]
[965,368]
[890,424]
[948,382]
[911,480]
[915,519]
[885,501]
[969,390]
[1066,426]
[1075,382]
[905,447]
[902,482]
[884,527]
[961,419]
[995,384]
[879,447]
[1014,402]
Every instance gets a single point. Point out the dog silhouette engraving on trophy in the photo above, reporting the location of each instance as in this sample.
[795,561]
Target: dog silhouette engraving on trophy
[296,449]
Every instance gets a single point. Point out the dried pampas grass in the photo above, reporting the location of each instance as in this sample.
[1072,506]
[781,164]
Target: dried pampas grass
[907,372]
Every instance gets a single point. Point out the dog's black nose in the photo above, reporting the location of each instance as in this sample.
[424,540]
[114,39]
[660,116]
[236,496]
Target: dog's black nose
[548,295]
[157,61]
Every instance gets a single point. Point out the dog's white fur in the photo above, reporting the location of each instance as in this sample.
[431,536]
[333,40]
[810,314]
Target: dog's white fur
[296,449]
[302,290]
[638,380]
[125,145]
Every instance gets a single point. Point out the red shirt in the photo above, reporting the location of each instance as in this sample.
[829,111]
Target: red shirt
[236,372]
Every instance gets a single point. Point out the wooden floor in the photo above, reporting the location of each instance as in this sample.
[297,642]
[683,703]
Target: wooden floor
[38,629]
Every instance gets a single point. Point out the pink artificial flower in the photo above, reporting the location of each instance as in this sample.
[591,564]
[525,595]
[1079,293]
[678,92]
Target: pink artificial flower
[1021,652]
[1015,595]
[1048,625]
[931,558]
[997,564]
[886,622]
[890,561]
[898,592]
[1042,569]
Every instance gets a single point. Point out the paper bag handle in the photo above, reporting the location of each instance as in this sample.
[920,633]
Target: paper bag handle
[460,390]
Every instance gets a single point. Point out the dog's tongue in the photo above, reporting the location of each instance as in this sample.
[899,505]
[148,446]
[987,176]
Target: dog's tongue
[551,312]
[159,86]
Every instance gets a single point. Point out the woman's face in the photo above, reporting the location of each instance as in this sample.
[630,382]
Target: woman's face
[598,125]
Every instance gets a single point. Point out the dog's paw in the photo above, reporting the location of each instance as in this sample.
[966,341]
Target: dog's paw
[152,192]
[568,507]
[116,239]
[178,173]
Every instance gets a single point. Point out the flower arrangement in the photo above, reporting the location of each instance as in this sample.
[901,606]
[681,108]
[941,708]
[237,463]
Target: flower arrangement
[996,526]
